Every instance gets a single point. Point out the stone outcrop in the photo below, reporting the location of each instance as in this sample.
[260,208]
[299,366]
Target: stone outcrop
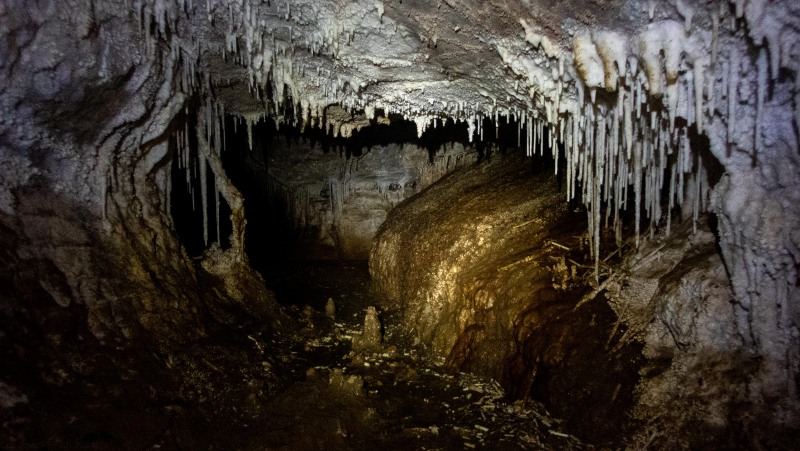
[701,385]
[469,251]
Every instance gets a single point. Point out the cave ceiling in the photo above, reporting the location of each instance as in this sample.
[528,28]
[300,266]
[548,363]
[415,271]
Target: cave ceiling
[420,58]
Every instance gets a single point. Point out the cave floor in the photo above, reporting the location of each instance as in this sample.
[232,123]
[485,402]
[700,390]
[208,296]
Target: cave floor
[394,397]
[242,387]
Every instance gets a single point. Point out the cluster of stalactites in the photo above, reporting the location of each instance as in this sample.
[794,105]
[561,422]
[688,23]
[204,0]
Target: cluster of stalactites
[628,140]
[209,140]
[668,71]
[632,138]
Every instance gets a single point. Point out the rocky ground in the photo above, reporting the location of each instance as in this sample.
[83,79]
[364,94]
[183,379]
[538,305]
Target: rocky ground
[244,387]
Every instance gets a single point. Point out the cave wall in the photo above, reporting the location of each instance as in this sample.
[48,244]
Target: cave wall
[437,258]
[756,205]
[87,110]
[490,282]
[104,316]
[83,131]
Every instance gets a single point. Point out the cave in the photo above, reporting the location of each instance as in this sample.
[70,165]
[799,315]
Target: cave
[418,224]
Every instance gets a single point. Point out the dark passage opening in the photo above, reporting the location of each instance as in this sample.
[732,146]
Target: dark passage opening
[186,193]
[308,194]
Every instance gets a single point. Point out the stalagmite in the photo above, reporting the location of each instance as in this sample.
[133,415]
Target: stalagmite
[371,336]
[330,309]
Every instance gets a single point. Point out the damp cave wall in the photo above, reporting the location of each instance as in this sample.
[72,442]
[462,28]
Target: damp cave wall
[81,146]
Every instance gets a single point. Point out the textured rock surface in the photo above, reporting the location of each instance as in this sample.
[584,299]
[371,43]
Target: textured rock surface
[439,256]
[500,301]
[98,296]
[701,385]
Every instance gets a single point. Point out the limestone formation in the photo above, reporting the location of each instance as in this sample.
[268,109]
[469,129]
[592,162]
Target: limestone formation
[121,227]
[336,204]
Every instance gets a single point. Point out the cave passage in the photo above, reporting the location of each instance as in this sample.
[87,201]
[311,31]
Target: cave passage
[293,216]
[309,233]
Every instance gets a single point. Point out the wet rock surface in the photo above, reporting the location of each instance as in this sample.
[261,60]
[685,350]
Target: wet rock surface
[464,252]
[699,386]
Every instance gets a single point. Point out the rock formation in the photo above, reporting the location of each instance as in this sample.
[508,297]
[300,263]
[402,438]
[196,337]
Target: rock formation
[655,107]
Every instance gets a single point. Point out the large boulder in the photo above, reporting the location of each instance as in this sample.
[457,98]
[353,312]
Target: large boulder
[462,260]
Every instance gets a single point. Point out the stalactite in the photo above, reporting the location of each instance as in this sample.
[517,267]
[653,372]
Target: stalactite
[224,187]
[733,81]
[597,177]
[671,198]
[167,191]
[637,189]
[203,196]
[608,148]
[185,153]
[216,213]
[761,80]
[698,96]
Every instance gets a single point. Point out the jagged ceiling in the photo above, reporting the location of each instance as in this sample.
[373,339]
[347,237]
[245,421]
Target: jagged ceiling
[606,78]
[454,57]
[619,84]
